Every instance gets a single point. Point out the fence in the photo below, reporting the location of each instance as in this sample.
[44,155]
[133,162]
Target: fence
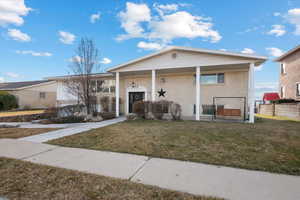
[291,110]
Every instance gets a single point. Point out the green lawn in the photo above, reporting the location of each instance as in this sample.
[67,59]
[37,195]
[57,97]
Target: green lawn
[267,145]
[23,180]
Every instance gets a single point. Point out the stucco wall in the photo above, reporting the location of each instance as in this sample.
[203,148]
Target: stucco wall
[30,97]
[292,76]
[180,88]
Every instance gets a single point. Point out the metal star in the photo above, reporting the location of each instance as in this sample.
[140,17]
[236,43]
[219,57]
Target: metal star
[161,93]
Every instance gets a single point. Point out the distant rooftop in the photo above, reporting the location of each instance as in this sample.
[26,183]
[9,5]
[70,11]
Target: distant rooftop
[19,85]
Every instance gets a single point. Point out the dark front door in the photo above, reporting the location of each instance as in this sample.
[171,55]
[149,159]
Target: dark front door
[133,97]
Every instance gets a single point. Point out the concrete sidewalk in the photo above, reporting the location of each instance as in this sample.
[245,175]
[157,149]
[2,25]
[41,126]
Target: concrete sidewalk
[74,129]
[194,178]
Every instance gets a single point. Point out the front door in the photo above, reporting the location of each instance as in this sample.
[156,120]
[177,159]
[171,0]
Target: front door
[133,97]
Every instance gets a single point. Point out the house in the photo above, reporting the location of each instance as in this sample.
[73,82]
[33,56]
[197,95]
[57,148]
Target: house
[197,79]
[290,74]
[270,96]
[32,94]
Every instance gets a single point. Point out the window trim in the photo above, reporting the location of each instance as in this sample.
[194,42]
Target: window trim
[216,75]
[283,69]
[297,89]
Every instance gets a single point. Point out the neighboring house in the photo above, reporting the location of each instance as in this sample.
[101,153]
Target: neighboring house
[195,78]
[32,94]
[290,74]
[271,96]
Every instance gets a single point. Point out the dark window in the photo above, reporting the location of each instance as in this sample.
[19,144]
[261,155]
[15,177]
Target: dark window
[212,78]
[42,95]
[282,67]
[298,89]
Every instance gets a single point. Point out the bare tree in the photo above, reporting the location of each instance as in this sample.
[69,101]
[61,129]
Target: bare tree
[83,65]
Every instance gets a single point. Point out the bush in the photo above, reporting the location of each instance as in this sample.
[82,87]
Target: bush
[159,108]
[104,102]
[175,110]
[139,108]
[69,119]
[279,101]
[107,115]
[113,99]
[7,101]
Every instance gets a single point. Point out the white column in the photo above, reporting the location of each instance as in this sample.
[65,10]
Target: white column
[198,103]
[117,94]
[153,85]
[251,93]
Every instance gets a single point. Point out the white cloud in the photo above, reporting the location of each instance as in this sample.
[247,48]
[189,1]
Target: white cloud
[293,17]
[223,49]
[105,61]
[248,51]
[2,79]
[259,68]
[182,25]
[33,53]
[66,37]
[276,14]
[149,45]
[12,12]
[12,75]
[273,51]
[132,18]
[263,87]
[75,59]
[168,25]
[17,35]
[94,17]
[277,30]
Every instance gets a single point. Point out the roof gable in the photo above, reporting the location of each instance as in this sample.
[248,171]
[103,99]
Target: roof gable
[21,85]
[186,57]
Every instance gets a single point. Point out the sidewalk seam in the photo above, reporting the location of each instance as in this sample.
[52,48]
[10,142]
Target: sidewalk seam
[33,155]
[139,169]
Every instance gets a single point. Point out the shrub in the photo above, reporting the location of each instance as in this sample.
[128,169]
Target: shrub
[104,102]
[279,101]
[139,108]
[68,119]
[7,101]
[175,110]
[107,115]
[113,100]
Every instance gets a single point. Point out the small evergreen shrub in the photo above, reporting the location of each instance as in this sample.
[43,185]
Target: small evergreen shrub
[279,101]
[7,101]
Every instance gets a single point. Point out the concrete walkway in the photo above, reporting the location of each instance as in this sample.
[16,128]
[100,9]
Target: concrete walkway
[194,178]
[73,129]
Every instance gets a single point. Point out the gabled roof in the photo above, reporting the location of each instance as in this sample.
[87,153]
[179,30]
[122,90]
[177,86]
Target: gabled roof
[94,75]
[21,85]
[271,96]
[199,50]
[287,53]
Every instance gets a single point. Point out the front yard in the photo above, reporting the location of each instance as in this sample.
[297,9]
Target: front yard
[267,145]
[14,133]
[23,180]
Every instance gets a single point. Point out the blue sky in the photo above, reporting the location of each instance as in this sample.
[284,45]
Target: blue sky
[38,38]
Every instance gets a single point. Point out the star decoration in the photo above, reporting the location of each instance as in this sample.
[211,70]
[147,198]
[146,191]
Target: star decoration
[161,93]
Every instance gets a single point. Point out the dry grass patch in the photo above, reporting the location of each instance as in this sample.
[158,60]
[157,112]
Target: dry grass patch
[19,113]
[267,145]
[23,180]
[22,132]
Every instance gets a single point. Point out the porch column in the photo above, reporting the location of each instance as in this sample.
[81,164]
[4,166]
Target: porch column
[117,94]
[251,93]
[198,103]
[153,85]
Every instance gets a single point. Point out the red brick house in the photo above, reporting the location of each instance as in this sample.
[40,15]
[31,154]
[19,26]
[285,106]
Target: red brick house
[290,74]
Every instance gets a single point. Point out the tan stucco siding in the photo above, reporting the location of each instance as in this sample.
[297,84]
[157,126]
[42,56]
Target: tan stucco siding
[180,88]
[183,59]
[292,76]
[30,97]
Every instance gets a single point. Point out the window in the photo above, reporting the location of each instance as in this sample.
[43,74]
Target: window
[42,95]
[93,86]
[212,78]
[282,92]
[298,89]
[282,68]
